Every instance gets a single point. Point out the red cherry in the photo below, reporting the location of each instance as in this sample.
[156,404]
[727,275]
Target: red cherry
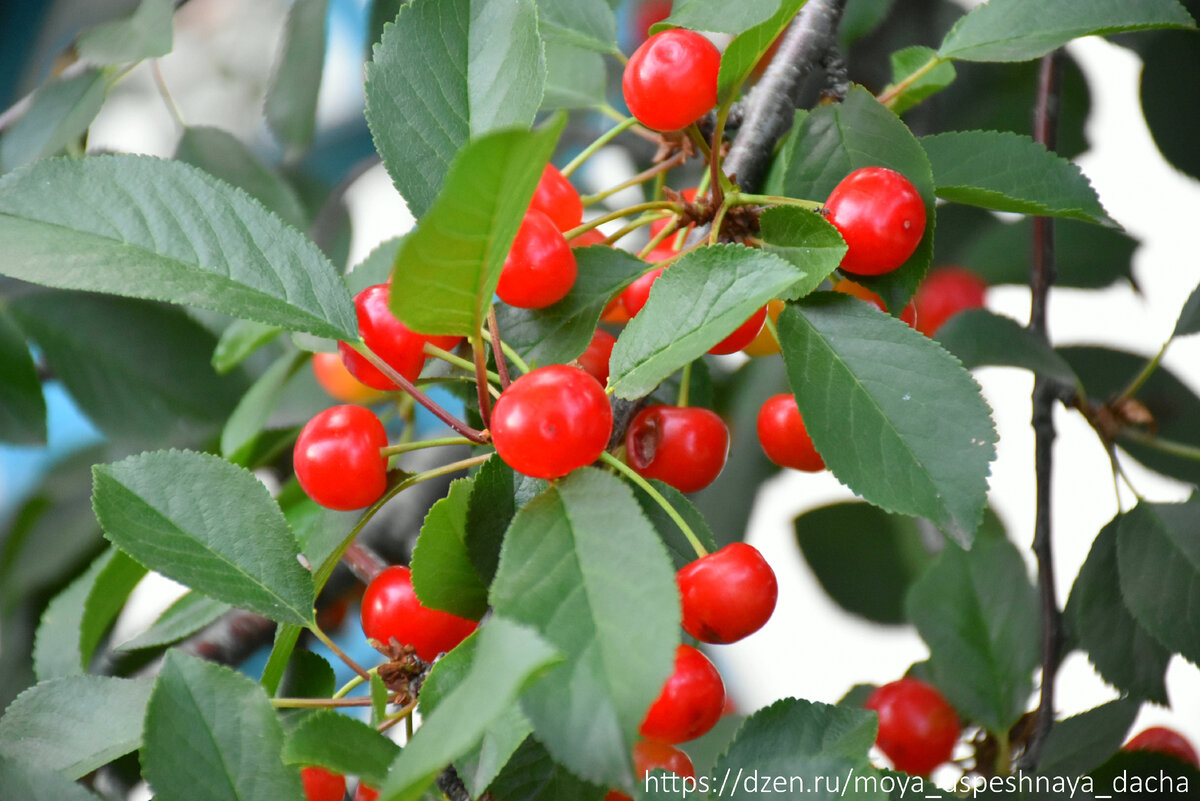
[848,287]
[322,785]
[340,383]
[690,702]
[337,458]
[540,268]
[743,335]
[671,79]
[390,340]
[635,295]
[727,595]
[557,199]
[615,312]
[592,236]
[944,293]
[649,755]
[1164,741]
[390,608]
[783,437]
[684,446]
[881,216]
[595,359]
[365,793]
[551,421]
[917,727]
[650,12]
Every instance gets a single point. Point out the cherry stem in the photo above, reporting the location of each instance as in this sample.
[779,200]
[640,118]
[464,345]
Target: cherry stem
[649,489]
[693,132]
[498,352]
[774,332]
[363,562]
[481,376]
[658,238]
[633,226]
[600,142]
[891,94]
[628,211]
[405,447]
[1141,378]
[685,382]
[450,358]
[403,713]
[1180,449]
[355,681]
[508,351]
[168,101]
[641,130]
[640,178]
[746,199]
[318,703]
[342,655]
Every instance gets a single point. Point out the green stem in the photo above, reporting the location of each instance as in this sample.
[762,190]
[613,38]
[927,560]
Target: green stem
[693,132]
[714,234]
[342,655]
[632,475]
[774,332]
[640,178]
[685,382]
[629,228]
[600,142]
[355,681]
[508,351]
[889,95]
[746,199]
[658,238]
[1180,449]
[403,713]
[457,361]
[1141,378]
[318,703]
[405,447]
[620,213]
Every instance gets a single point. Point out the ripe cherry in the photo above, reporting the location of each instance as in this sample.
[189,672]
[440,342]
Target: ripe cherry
[1164,741]
[671,79]
[764,344]
[648,13]
[337,458]
[848,287]
[551,421]
[635,295]
[690,702]
[727,595]
[339,382]
[595,359]
[592,236]
[741,336]
[615,312]
[944,293]
[390,608]
[365,793]
[784,438]
[917,727]
[390,340]
[322,785]
[684,446]
[649,755]
[881,216]
[540,269]
[557,199]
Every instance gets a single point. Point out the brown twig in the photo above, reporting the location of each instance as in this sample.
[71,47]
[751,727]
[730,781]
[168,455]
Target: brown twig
[423,399]
[498,349]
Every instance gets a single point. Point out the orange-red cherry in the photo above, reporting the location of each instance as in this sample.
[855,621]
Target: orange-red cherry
[337,458]
[322,785]
[671,79]
[690,702]
[595,358]
[540,268]
[685,447]
[881,216]
[944,293]
[784,438]
[917,726]
[390,608]
[728,594]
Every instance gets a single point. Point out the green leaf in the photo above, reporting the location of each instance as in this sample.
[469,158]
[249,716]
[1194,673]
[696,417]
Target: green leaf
[1170,78]
[1020,30]
[681,551]
[1010,172]
[190,516]
[864,557]
[238,341]
[978,613]
[76,620]
[1081,743]
[379,699]
[341,744]
[30,784]
[493,503]
[45,729]
[695,304]
[250,416]
[906,62]
[574,77]
[895,417]
[508,658]
[143,227]
[979,337]
[185,617]
[441,76]
[376,267]
[1158,557]
[740,56]
[291,104]
[715,15]
[580,564]
[221,155]
[531,774]
[308,675]
[805,239]
[591,25]
[146,33]
[451,264]
[442,573]
[1189,316]
[282,649]
[559,333]
[1145,773]
[60,112]
[212,735]
[833,141]
[22,407]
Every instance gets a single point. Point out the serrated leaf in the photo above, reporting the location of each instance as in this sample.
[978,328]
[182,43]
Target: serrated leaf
[1020,30]
[905,63]
[832,141]
[978,613]
[291,104]
[376,267]
[681,550]
[308,675]
[146,33]
[741,55]
[30,784]
[715,15]
[440,77]
[559,333]
[442,573]
[43,727]
[491,508]
[895,417]
[533,775]
[451,264]
[212,735]
[579,563]
[805,239]
[59,113]
[253,410]
[181,619]
[1010,172]
[575,77]
[509,657]
[591,25]
[1189,316]
[341,744]
[1158,558]
[143,227]
[693,305]
[208,524]
[1083,742]
[979,337]
[22,406]
[240,339]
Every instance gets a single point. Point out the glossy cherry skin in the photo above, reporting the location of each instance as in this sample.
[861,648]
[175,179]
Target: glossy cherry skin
[390,340]
[727,595]
[540,269]
[557,199]
[592,236]
[784,438]
[1164,741]
[551,421]
[671,79]
[848,287]
[650,755]
[741,336]
[881,216]
[322,785]
[390,608]
[917,727]
[337,458]
[685,447]
[595,358]
[635,295]
[365,793]
[764,344]
[340,383]
[690,703]
[944,293]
